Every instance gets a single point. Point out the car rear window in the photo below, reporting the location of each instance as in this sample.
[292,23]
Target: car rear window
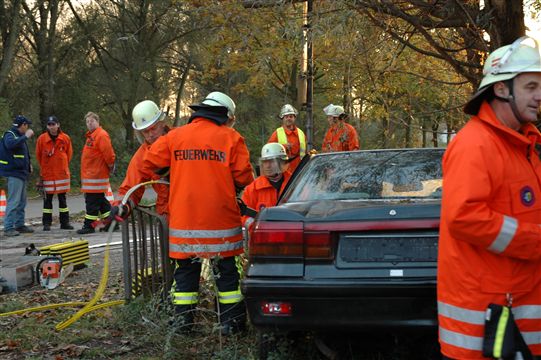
[371,175]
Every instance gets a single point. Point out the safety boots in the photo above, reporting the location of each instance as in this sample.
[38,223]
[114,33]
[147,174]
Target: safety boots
[232,318]
[183,320]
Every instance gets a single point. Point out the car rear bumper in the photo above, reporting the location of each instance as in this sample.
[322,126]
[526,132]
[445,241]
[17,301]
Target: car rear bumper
[351,304]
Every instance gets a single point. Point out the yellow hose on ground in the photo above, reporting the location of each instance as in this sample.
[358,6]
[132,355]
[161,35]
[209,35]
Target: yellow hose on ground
[91,305]
[44,307]
[66,304]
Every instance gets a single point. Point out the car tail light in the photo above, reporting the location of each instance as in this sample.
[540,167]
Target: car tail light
[288,239]
[276,308]
[277,238]
[318,245]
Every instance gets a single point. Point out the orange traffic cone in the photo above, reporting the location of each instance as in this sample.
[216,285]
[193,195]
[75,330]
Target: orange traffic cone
[2,203]
[110,197]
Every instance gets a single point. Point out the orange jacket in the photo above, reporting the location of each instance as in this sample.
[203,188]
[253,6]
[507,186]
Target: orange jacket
[207,163]
[340,137]
[97,161]
[54,158]
[261,194]
[136,174]
[490,234]
[294,152]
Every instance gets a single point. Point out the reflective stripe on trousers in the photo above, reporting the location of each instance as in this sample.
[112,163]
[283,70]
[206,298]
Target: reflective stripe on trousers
[476,317]
[184,298]
[230,297]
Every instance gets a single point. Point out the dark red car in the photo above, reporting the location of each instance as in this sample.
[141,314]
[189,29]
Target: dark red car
[351,245]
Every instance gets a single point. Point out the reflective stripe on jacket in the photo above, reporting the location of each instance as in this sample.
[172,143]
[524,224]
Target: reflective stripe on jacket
[96,161]
[261,194]
[207,162]
[136,174]
[54,158]
[490,237]
[340,137]
[296,139]
[14,155]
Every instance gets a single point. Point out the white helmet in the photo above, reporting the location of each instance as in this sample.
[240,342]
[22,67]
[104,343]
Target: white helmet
[217,98]
[288,109]
[505,63]
[273,151]
[145,114]
[333,110]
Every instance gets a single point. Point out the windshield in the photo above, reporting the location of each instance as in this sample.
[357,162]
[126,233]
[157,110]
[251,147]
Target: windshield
[378,174]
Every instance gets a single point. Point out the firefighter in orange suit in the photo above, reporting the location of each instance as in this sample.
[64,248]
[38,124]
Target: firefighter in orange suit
[266,189]
[341,136]
[290,136]
[97,162]
[209,163]
[149,124]
[490,232]
[54,152]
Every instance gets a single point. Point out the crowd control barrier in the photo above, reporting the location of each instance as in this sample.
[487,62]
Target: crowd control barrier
[145,247]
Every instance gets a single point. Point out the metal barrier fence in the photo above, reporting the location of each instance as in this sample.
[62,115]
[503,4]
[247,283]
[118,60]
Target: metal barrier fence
[145,248]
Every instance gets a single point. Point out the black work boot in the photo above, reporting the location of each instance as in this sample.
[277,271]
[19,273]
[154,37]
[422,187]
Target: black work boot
[183,320]
[232,318]
[65,221]
[67,226]
[47,220]
[86,230]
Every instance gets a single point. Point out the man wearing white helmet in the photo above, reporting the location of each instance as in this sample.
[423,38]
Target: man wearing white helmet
[290,136]
[341,136]
[149,124]
[209,162]
[266,189]
[490,233]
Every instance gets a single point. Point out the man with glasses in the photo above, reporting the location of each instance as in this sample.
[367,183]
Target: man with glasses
[54,153]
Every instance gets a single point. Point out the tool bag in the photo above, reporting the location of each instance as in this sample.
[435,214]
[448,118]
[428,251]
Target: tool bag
[502,338]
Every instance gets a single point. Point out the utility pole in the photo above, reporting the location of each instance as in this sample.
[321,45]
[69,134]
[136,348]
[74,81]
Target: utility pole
[307,72]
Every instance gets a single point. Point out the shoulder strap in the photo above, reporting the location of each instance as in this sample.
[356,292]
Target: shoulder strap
[281,134]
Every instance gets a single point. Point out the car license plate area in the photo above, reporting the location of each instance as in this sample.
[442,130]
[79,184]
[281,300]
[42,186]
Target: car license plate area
[390,248]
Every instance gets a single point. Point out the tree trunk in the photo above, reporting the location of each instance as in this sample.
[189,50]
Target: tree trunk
[180,90]
[435,127]
[408,134]
[507,22]
[10,34]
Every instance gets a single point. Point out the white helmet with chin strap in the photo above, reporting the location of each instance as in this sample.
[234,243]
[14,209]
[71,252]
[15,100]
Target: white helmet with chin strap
[273,161]
[217,98]
[273,150]
[146,114]
[288,109]
[504,64]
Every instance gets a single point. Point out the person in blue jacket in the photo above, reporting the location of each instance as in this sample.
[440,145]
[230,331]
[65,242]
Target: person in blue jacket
[15,166]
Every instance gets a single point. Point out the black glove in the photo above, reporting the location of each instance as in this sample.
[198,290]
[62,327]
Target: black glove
[115,210]
[245,210]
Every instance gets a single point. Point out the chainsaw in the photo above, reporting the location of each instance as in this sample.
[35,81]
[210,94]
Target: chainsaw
[50,273]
